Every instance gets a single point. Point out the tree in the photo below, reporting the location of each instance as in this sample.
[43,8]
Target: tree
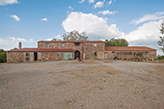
[2,56]
[75,36]
[161,42]
[116,42]
[54,39]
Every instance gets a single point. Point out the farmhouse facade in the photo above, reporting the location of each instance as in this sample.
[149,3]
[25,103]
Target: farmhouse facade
[69,50]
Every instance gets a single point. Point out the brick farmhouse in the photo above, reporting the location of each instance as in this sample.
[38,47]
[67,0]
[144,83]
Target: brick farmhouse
[69,50]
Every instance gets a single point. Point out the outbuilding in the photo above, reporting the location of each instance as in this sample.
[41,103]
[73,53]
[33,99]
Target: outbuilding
[38,54]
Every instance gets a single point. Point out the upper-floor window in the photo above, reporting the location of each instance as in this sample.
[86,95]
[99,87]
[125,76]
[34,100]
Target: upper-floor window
[47,44]
[95,44]
[77,44]
[62,44]
[26,54]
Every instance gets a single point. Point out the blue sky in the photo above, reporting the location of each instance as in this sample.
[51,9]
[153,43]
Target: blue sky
[29,21]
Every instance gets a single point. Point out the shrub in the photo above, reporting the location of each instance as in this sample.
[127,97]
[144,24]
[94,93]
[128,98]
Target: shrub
[160,57]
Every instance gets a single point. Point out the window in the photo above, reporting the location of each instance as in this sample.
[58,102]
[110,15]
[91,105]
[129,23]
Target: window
[62,44]
[95,53]
[26,54]
[95,44]
[77,44]
[27,59]
[47,44]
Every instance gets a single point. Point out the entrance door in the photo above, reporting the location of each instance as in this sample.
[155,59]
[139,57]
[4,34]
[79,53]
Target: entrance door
[35,56]
[77,54]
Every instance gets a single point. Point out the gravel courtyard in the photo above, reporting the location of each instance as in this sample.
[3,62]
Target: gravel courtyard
[81,85]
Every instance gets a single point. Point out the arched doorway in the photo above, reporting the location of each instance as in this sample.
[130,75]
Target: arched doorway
[77,54]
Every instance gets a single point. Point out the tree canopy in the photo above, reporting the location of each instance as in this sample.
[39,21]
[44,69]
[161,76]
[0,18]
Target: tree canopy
[116,42]
[75,36]
[161,42]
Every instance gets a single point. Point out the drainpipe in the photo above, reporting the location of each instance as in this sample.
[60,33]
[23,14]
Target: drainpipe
[121,55]
[7,57]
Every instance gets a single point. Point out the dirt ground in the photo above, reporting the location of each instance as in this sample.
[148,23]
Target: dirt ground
[81,85]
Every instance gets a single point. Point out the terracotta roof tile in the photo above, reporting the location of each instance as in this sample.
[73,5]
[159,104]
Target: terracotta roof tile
[118,48]
[40,49]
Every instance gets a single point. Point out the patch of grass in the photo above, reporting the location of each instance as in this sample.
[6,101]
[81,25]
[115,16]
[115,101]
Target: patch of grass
[50,72]
[150,71]
[111,73]
[68,102]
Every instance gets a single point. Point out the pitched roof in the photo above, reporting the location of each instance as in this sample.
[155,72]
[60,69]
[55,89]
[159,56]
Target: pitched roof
[73,41]
[118,48]
[40,49]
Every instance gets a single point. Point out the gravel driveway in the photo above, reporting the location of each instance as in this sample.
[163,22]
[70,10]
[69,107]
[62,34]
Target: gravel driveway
[81,85]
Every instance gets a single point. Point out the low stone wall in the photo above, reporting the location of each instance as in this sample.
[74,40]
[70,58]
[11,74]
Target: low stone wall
[14,57]
[130,55]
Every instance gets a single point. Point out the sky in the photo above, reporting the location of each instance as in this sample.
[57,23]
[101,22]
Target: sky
[30,21]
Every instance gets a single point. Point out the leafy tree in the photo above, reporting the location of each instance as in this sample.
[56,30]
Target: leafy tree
[160,57]
[54,39]
[161,42]
[116,42]
[2,56]
[75,36]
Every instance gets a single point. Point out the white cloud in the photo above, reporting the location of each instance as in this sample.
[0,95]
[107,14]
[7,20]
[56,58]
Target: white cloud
[6,2]
[20,39]
[107,12]
[82,1]
[15,17]
[96,27]
[91,1]
[99,4]
[49,39]
[145,35]
[12,42]
[57,36]
[44,19]
[149,17]
[110,2]
[70,7]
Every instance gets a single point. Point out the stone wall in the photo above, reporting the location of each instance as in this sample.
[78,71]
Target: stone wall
[130,55]
[14,57]
[89,49]
[86,49]
[51,56]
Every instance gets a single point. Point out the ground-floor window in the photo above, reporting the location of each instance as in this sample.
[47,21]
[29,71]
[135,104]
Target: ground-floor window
[95,53]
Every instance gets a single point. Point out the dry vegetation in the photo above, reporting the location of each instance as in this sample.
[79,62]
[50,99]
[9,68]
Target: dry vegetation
[88,84]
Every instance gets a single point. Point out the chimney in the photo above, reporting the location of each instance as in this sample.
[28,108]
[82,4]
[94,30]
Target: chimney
[20,45]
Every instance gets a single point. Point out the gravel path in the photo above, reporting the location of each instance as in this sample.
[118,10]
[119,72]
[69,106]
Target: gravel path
[78,85]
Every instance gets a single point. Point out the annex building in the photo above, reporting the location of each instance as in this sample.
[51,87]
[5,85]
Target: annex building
[69,50]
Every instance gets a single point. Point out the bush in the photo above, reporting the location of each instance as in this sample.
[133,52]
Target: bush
[160,57]
[2,56]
